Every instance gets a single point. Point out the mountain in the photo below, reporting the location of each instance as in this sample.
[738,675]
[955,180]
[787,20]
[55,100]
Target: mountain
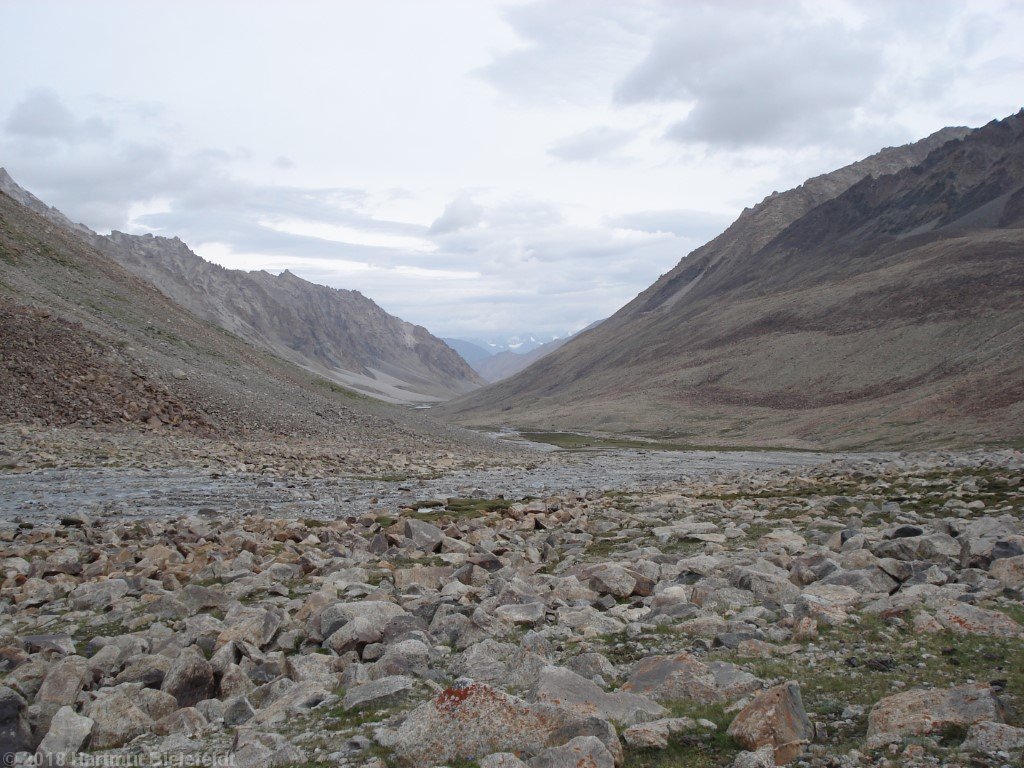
[520,344]
[338,334]
[878,305]
[469,351]
[508,363]
[86,343]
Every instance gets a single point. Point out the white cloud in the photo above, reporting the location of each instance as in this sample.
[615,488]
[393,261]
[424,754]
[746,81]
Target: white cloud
[591,144]
[479,168]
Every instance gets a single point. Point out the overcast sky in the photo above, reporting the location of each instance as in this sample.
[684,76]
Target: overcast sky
[482,168]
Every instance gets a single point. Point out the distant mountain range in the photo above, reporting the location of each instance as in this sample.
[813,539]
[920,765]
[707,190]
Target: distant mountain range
[495,362]
[881,304]
[338,334]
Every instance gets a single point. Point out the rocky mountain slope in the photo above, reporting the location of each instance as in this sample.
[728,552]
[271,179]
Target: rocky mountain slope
[86,344]
[878,304]
[339,334]
[468,351]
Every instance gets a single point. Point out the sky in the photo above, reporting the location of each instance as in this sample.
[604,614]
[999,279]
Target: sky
[485,169]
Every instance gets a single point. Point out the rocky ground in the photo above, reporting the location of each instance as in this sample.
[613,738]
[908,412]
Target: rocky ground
[579,609]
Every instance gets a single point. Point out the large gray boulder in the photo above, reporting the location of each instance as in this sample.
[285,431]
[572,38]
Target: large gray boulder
[564,688]
[685,678]
[67,736]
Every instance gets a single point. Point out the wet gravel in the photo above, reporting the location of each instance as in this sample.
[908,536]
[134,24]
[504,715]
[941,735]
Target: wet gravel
[46,494]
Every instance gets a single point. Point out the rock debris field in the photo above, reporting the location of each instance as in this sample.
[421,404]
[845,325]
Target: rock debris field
[593,609]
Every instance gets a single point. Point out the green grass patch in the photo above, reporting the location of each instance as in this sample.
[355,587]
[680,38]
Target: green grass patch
[858,664]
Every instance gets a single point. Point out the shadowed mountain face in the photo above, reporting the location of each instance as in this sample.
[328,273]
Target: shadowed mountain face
[882,304]
[339,334]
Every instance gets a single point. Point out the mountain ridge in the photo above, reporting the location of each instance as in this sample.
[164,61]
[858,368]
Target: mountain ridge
[785,330]
[336,333]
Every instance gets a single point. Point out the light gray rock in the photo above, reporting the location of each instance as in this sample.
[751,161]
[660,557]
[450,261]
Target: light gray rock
[762,758]
[378,693]
[67,736]
[378,612]
[254,748]
[581,752]
[97,596]
[564,688]
[964,619]
[989,738]
[683,677]
[424,535]
[116,719]
[501,760]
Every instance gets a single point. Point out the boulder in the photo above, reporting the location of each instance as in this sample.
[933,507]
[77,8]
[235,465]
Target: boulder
[254,748]
[655,734]
[581,752]
[15,734]
[355,635]
[988,738]
[762,758]
[965,619]
[613,580]
[919,712]
[189,679]
[378,612]
[472,720]
[64,682]
[100,595]
[424,535]
[1008,571]
[116,719]
[501,760]
[775,718]
[564,688]
[67,736]
[188,721]
[376,694]
[250,624]
[684,678]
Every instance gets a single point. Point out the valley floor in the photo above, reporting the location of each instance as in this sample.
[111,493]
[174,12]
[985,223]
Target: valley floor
[597,607]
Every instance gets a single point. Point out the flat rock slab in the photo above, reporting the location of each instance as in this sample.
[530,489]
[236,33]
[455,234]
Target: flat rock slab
[378,693]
